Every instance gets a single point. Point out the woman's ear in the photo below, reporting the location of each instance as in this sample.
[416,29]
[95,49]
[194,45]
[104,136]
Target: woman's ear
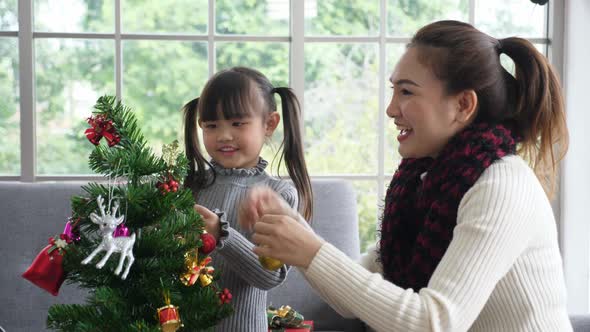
[272,121]
[467,106]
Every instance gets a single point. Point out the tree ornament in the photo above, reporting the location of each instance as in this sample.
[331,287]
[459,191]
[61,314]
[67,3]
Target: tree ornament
[170,153]
[271,264]
[72,230]
[197,270]
[169,316]
[225,296]
[124,244]
[169,185]
[101,127]
[209,243]
[121,230]
[47,271]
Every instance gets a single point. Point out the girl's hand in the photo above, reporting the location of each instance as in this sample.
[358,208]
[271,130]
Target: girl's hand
[211,220]
[286,239]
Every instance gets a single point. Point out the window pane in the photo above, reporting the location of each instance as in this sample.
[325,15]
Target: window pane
[8,15]
[404,18]
[392,158]
[368,205]
[341,108]
[342,17]
[74,15]
[503,18]
[272,60]
[70,74]
[9,108]
[267,17]
[178,16]
[159,77]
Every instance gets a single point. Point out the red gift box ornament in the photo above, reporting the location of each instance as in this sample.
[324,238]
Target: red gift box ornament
[47,271]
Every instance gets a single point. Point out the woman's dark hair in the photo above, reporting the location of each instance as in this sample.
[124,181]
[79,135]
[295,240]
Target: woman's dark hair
[530,102]
[231,91]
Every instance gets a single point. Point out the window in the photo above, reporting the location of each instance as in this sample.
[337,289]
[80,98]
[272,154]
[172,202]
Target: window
[156,56]
[9,90]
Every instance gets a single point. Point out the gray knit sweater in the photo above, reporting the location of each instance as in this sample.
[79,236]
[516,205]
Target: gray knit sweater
[240,269]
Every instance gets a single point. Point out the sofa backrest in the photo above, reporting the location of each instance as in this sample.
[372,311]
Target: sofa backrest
[33,212]
[335,219]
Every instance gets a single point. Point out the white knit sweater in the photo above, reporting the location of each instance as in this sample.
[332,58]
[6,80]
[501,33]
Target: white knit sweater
[501,272]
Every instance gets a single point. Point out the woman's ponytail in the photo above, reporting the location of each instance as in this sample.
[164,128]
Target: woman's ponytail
[540,113]
[293,149]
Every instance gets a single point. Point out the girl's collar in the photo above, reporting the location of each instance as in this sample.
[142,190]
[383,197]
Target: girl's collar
[256,170]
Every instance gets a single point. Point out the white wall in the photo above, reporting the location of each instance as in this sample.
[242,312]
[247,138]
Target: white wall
[575,185]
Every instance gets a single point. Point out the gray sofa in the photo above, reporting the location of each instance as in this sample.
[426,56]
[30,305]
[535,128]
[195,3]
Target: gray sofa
[32,212]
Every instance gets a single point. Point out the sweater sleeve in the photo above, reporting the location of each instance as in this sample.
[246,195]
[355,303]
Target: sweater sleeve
[493,228]
[236,249]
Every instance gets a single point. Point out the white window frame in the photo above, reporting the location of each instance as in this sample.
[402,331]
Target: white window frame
[567,27]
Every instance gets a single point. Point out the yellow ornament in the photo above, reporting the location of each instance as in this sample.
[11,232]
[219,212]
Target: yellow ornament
[205,279]
[197,270]
[270,264]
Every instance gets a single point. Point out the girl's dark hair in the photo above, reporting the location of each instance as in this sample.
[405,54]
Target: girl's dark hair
[231,91]
[530,102]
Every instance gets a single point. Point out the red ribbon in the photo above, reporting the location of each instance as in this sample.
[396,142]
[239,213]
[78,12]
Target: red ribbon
[101,127]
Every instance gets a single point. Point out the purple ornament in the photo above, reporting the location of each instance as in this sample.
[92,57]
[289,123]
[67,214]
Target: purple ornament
[121,230]
[71,232]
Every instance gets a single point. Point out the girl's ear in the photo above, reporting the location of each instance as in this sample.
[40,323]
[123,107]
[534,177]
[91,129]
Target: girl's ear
[200,123]
[272,121]
[466,106]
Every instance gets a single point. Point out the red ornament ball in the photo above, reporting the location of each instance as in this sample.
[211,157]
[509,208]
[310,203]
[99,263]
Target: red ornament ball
[209,243]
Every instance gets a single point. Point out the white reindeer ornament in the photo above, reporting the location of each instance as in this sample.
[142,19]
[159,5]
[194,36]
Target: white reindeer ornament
[123,244]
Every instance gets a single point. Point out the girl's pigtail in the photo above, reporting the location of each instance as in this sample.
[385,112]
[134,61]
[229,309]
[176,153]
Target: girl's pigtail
[540,111]
[196,177]
[293,149]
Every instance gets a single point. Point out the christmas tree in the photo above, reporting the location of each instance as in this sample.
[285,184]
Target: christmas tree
[158,276]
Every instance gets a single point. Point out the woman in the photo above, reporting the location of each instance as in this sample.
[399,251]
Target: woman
[468,240]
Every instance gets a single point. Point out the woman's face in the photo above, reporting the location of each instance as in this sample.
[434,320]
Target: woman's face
[423,113]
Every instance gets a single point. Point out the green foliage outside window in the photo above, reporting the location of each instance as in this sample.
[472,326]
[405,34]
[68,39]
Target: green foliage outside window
[341,108]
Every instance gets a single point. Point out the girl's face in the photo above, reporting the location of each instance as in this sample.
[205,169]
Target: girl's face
[237,142]
[425,116]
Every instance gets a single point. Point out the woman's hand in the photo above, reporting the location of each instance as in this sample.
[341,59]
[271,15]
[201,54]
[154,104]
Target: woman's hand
[211,220]
[279,231]
[259,201]
[284,238]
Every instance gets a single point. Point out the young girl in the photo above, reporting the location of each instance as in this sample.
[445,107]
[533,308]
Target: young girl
[468,237]
[237,113]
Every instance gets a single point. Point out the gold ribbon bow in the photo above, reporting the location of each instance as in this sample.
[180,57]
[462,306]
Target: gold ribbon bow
[197,270]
